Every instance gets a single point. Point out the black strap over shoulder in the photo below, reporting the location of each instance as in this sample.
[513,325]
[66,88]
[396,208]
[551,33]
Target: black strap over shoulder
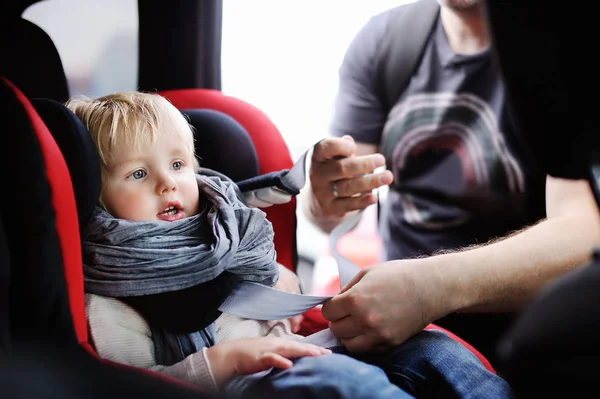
[397,59]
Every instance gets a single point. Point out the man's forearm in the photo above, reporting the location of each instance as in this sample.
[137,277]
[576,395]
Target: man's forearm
[505,275]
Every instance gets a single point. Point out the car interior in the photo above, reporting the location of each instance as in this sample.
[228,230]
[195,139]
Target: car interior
[52,173]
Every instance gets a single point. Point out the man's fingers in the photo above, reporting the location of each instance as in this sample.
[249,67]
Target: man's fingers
[338,307]
[354,280]
[346,328]
[363,184]
[342,305]
[331,148]
[340,206]
[351,167]
[361,343]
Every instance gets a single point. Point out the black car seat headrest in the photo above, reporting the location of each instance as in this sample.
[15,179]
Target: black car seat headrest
[41,225]
[4,291]
[15,8]
[222,144]
[78,150]
[29,57]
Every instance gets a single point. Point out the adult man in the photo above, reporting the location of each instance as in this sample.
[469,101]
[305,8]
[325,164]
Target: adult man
[466,189]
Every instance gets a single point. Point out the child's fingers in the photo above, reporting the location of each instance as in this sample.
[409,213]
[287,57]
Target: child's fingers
[323,351]
[277,353]
[295,322]
[294,349]
[271,359]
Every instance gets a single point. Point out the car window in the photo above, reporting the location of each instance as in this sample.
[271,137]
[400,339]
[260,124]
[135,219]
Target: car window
[283,57]
[96,40]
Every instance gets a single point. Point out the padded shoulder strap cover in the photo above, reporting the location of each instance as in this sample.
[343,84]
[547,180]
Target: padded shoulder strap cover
[397,60]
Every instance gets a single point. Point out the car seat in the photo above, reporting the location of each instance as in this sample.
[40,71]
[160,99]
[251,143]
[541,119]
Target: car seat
[60,369]
[23,45]
[40,222]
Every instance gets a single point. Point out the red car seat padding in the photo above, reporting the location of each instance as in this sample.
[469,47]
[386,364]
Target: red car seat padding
[57,192]
[61,199]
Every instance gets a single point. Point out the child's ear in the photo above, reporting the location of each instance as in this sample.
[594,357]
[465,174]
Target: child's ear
[101,204]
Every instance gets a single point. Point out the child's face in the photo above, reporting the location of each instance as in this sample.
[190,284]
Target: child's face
[153,182]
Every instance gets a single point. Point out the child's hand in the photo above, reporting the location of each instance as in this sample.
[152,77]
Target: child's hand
[247,356]
[289,281]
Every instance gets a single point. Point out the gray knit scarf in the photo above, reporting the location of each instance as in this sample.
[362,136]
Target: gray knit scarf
[122,258]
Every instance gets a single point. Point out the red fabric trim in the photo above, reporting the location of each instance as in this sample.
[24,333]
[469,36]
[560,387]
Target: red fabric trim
[67,227]
[313,322]
[271,149]
[88,347]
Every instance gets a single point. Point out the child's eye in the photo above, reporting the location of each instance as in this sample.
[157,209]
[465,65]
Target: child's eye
[177,165]
[138,174]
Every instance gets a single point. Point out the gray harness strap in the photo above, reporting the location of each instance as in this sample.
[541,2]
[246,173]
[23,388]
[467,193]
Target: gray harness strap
[259,302]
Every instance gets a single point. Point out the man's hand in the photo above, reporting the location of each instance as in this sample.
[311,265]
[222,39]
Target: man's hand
[247,356]
[341,181]
[383,306]
[289,282]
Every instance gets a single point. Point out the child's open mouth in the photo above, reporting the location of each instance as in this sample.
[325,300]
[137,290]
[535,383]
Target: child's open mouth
[171,213]
[171,210]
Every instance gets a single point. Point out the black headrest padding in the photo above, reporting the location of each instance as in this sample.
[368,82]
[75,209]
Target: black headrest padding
[4,291]
[14,8]
[222,144]
[37,281]
[79,152]
[30,60]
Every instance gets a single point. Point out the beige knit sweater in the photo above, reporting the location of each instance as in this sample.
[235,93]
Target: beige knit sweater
[120,334]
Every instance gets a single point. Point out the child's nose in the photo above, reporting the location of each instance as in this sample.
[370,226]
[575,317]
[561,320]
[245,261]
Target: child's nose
[166,184]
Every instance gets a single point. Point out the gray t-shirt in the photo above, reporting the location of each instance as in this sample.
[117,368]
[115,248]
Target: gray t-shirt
[461,175]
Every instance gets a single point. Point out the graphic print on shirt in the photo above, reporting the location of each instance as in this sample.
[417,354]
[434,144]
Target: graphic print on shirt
[444,149]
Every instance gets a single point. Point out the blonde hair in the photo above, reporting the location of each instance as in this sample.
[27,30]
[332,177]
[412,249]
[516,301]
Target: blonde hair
[130,119]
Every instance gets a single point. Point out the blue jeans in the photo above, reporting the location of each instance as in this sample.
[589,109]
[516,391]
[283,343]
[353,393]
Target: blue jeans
[334,376]
[433,365]
[429,365]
